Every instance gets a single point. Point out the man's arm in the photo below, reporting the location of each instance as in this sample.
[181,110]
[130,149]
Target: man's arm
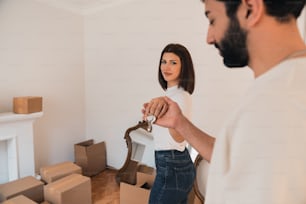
[198,139]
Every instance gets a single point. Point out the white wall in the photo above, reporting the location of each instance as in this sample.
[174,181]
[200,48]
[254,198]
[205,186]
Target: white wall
[101,67]
[41,54]
[123,46]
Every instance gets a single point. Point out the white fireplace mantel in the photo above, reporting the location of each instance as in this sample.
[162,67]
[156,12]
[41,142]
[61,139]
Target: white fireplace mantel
[16,145]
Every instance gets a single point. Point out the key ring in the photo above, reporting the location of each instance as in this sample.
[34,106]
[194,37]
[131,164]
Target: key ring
[150,119]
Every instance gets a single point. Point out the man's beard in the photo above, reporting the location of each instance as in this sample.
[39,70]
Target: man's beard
[233,46]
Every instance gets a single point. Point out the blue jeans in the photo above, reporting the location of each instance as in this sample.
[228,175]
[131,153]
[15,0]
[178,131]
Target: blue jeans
[175,174]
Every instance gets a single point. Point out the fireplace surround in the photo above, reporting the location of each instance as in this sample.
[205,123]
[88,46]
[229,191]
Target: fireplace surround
[16,145]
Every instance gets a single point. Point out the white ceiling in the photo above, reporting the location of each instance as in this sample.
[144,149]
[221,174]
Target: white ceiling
[84,6]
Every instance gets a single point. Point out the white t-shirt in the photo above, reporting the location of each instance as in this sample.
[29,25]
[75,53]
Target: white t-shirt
[162,138]
[260,155]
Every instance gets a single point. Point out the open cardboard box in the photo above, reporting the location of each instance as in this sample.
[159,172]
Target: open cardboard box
[90,156]
[136,194]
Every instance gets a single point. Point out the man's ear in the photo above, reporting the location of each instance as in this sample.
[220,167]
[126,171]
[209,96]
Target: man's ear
[254,11]
[248,13]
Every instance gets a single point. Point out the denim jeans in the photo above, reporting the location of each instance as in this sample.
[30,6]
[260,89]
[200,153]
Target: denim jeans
[175,174]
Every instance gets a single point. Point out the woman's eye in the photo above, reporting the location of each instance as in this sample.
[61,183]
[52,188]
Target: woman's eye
[174,63]
[163,62]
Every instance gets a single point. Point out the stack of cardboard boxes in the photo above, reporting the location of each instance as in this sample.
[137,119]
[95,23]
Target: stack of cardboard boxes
[58,184]
[61,180]
[62,183]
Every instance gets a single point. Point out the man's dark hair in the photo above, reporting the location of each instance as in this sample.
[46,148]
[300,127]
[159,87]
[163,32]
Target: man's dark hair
[282,10]
[187,75]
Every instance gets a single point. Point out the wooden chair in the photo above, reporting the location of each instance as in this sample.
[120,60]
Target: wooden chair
[195,185]
[197,195]
[127,173]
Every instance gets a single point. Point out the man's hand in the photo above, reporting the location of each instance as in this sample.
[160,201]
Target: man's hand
[157,107]
[165,110]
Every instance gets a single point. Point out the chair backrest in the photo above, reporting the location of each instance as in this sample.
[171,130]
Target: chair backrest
[197,196]
[127,173]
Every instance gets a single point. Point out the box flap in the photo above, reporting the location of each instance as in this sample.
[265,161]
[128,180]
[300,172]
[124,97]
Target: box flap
[85,143]
[142,178]
[130,194]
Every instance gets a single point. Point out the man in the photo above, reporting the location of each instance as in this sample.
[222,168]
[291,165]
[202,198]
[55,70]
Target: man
[260,154]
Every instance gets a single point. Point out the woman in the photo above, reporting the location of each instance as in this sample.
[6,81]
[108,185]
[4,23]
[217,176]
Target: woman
[175,172]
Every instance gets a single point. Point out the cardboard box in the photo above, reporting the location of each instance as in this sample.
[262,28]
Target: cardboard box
[57,171]
[21,199]
[28,186]
[127,174]
[27,104]
[91,157]
[72,189]
[137,194]
[140,192]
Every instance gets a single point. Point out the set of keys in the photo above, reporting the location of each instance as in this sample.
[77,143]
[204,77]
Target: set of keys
[150,119]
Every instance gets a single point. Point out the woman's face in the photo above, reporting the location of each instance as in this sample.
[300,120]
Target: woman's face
[171,68]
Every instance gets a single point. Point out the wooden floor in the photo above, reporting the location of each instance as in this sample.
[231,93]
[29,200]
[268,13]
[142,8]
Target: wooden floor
[105,189]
